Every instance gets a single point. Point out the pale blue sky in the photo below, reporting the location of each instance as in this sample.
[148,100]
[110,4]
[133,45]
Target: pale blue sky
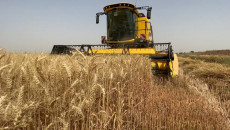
[36,25]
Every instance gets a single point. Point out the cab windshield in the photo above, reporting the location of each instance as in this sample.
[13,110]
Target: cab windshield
[121,25]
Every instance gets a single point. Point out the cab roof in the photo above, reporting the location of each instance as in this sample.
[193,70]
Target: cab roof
[120,5]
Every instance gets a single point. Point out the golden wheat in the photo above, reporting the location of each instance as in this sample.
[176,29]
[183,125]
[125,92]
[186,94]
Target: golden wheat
[45,91]
[217,77]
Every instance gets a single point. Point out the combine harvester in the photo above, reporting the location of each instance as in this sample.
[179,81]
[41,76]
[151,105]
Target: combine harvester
[129,32]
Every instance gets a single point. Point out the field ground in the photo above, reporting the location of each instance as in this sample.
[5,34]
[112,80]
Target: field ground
[221,59]
[42,91]
[214,52]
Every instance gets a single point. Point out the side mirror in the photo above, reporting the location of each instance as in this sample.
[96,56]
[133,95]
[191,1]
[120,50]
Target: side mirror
[97,16]
[149,12]
[97,19]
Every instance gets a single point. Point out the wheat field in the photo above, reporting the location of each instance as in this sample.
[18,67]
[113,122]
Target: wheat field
[42,91]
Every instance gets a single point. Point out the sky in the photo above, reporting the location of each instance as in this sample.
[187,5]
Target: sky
[37,25]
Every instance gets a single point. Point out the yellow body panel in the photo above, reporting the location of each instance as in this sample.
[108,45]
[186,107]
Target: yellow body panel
[162,65]
[138,51]
[127,41]
[144,28]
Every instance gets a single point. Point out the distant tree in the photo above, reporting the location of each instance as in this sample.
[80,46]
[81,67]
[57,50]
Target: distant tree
[191,51]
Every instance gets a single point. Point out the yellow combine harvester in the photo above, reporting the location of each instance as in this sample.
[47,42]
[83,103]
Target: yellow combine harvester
[129,32]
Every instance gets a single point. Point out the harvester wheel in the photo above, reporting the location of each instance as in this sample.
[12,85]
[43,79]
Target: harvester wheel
[175,65]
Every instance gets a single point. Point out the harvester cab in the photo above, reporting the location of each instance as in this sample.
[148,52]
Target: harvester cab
[126,25]
[129,32]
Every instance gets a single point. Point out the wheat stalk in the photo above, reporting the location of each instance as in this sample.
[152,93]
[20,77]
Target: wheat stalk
[21,97]
[8,111]
[5,66]
[68,70]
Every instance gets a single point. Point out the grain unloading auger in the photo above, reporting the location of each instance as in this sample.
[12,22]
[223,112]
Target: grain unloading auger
[129,32]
